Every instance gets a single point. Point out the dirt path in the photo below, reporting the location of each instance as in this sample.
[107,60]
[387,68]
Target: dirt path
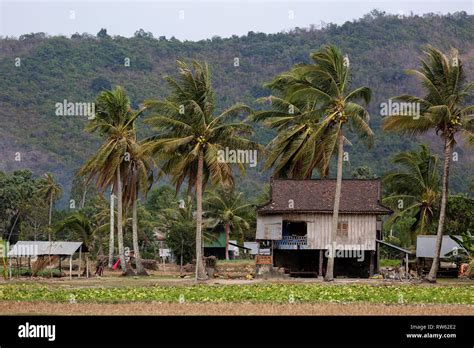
[140,308]
[115,280]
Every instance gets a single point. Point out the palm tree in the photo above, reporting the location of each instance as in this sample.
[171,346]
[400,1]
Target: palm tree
[443,110]
[138,177]
[295,151]
[101,216]
[115,122]
[190,137]
[227,208]
[416,184]
[88,230]
[50,190]
[325,87]
[83,228]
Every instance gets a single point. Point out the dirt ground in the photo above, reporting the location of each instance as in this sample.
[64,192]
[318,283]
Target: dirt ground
[141,308]
[232,275]
[115,280]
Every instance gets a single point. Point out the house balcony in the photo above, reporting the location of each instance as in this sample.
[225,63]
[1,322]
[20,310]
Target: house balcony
[292,242]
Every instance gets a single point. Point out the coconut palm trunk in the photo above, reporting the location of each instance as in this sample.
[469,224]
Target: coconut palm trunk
[138,260]
[335,215]
[200,272]
[227,233]
[119,224]
[50,208]
[49,232]
[448,144]
[112,230]
[84,194]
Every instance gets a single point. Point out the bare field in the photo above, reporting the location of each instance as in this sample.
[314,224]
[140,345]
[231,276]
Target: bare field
[114,279]
[140,308]
[116,295]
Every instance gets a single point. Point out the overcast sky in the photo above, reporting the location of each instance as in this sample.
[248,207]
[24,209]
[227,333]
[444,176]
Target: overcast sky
[197,19]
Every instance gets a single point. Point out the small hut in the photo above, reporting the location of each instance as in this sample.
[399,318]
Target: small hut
[41,250]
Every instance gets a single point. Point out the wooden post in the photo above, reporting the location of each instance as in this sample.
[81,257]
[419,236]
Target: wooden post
[87,265]
[181,265]
[80,261]
[164,264]
[272,253]
[10,266]
[372,261]
[70,267]
[377,268]
[406,265]
[320,272]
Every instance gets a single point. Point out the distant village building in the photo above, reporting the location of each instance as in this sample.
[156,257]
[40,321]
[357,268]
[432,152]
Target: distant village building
[293,228]
[451,254]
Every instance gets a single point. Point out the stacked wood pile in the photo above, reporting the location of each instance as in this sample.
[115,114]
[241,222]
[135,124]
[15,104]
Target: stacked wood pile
[235,270]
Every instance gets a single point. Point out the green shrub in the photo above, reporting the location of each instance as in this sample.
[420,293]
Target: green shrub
[390,263]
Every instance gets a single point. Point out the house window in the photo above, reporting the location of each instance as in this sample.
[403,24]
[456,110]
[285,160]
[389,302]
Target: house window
[342,229]
[294,228]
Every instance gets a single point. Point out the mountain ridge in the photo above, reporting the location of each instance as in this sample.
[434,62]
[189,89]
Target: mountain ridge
[53,69]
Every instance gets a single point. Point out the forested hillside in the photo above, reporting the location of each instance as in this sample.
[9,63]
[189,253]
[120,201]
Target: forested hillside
[38,71]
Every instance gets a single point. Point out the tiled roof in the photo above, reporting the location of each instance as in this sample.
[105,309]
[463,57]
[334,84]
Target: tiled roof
[357,196]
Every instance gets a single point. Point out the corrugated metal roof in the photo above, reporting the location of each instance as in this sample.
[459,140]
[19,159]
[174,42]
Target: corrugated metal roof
[425,246]
[33,249]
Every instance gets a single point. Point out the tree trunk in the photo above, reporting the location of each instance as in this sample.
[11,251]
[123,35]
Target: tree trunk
[49,253]
[335,215]
[112,230]
[448,144]
[14,224]
[136,250]
[49,232]
[119,224]
[227,233]
[50,208]
[83,203]
[200,271]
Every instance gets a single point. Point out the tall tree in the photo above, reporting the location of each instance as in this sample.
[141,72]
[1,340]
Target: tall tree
[178,221]
[51,191]
[81,189]
[138,178]
[228,210]
[325,85]
[114,120]
[18,191]
[414,189]
[443,109]
[190,136]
